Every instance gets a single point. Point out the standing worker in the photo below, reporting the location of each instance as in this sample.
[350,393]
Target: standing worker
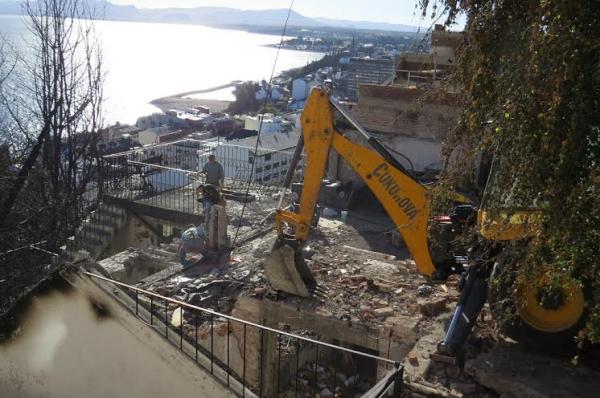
[214,172]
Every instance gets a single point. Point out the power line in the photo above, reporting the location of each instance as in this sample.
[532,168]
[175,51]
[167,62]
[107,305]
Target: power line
[262,117]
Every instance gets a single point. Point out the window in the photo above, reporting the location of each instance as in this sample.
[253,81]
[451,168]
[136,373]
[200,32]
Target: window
[258,170]
[268,157]
[251,159]
[284,162]
[268,167]
[276,164]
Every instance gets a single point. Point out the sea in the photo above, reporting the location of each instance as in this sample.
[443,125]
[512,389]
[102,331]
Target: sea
[146,61]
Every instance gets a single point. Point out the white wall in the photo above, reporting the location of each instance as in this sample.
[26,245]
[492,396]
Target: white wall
[424,154]
[269,125]
[300,89]
[148,137]
[268,166]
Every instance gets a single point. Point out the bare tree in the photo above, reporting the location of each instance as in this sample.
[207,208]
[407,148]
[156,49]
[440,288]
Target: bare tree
[55,105]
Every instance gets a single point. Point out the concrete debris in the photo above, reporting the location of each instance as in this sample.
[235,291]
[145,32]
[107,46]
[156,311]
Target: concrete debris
[133,264]
[432,306]
[384,312]
[417,371]
[401,328]
[260,290]
[369,299]
[452,371]
[351,380]
[464,388]
[424,290]
[508,369]
[413,358]
[177,317]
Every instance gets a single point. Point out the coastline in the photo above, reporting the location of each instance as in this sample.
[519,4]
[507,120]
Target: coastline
[182,100]
[174,102]
[276,46]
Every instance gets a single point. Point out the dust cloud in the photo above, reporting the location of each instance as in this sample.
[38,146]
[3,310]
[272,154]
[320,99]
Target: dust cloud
[68,348]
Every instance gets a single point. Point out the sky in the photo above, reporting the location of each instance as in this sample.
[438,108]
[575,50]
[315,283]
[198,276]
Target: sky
[391,11]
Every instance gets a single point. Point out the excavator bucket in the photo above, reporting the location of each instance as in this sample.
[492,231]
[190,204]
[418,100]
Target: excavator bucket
[287,271]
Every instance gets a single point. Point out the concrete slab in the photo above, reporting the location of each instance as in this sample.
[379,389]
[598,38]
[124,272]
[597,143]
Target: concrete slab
[508,369]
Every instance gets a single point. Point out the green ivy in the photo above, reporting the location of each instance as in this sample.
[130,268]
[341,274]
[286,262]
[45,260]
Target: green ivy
[529,77]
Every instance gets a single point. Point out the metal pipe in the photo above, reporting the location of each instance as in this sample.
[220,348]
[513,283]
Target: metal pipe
[291,169]
[373,142]
[349,117]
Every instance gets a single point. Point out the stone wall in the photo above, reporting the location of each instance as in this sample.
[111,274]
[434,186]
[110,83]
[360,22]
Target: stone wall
[406,111]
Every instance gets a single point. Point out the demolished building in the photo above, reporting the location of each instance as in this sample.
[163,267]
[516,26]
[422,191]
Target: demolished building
[374,320]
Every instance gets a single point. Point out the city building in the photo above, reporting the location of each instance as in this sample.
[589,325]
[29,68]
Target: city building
[270,158]
[266,123]
[276,93]
[368,71]
[300,89]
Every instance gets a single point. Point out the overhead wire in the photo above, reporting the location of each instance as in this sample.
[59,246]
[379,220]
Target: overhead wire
[261,119]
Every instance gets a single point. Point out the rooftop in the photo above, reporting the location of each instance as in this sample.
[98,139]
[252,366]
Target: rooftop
[271,142]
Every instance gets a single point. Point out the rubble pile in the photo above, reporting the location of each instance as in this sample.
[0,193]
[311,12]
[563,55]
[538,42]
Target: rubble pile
[377,293]
[314,380]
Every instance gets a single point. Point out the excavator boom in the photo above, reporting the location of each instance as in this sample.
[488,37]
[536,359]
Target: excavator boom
[405,200]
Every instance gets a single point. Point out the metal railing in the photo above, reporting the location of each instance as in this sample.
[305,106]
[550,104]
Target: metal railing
[165,176]
[253,359]
[163,167]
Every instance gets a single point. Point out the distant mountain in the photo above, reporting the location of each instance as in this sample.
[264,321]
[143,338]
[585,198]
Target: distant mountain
[218,17]
[347,24]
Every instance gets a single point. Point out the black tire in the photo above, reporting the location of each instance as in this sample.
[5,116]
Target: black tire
[502,300]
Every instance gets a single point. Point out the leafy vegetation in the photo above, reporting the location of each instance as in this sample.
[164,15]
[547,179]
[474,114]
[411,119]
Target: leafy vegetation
[529,74]
[245,98]
[312,67]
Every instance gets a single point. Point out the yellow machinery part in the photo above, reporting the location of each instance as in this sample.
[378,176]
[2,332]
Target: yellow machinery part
[505,225]
[405,200]
[550,320]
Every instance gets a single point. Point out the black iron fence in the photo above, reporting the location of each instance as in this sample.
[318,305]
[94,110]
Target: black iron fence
[160,168]
[166,175]
[256,360]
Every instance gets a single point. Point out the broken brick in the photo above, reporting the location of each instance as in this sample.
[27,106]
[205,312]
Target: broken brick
[383,312]
[432,306]
[464,388]
[357,278]
[452,371]
[401,328]
[384,287]
[413,358]
[260,290]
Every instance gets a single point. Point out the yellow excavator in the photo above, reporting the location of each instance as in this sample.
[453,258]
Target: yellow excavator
[544,311]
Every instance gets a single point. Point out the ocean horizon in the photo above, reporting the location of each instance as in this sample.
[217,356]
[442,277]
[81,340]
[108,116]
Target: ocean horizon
[145,61]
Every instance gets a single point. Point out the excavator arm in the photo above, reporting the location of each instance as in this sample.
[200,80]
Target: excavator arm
[405,200]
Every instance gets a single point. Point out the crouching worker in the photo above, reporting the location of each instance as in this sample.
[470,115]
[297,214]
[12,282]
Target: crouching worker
[195,240]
